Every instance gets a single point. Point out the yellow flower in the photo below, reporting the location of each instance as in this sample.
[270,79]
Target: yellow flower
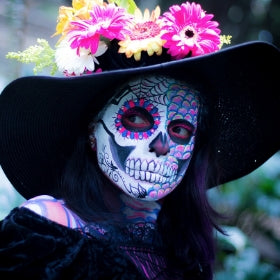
[145,35]
[79,11]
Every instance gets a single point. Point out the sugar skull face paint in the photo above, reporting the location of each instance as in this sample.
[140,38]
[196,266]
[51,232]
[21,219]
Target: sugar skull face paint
[145,136]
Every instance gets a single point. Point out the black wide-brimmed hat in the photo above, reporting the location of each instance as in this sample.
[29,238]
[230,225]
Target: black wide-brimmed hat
[41,117]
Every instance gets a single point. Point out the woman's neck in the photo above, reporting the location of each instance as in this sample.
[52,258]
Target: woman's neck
[135,211]
[131,210]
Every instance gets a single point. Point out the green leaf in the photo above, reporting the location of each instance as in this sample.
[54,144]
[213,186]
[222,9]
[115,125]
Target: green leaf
[129,5]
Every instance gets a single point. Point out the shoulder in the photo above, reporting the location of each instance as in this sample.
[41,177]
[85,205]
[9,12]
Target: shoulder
[54,210]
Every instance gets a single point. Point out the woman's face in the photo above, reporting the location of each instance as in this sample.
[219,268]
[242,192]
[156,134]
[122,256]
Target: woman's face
[145,136]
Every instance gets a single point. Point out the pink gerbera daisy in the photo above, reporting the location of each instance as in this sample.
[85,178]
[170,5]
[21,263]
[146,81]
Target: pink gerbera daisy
[189,31]
[108,21]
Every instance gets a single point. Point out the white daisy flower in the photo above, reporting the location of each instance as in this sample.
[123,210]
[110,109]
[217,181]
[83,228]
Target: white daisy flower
[71,63]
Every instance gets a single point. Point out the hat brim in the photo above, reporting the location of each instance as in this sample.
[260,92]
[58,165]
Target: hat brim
[40,117]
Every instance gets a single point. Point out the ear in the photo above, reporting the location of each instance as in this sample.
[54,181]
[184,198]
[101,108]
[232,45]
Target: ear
[92,139]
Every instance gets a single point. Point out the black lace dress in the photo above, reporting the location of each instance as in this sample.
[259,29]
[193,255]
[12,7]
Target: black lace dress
[33,247]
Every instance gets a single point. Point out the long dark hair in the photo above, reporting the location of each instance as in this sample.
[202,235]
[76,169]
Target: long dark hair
[186,221]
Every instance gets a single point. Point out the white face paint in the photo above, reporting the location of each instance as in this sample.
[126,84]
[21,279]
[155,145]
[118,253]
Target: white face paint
[145,136]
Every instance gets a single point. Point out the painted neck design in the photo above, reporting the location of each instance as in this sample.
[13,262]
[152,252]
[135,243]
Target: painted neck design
[139,211]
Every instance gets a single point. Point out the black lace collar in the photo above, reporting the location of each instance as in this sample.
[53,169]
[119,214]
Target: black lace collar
[141,232]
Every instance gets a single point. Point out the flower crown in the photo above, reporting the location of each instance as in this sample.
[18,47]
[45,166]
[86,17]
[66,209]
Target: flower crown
[98,35]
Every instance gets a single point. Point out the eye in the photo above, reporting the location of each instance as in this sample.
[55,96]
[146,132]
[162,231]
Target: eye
[137,119]
[180,131]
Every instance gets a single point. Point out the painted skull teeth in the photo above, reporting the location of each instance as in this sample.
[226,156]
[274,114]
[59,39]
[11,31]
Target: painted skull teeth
[150,171]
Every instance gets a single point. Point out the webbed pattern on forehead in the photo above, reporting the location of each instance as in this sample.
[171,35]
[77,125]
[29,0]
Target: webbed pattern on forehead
[153,87]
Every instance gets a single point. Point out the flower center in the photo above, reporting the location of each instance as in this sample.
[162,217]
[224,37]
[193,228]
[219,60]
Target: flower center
[145,30]
[189,33]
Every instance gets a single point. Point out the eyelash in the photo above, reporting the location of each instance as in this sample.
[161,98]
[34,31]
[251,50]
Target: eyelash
[137,120]
[178,137]
[142,109]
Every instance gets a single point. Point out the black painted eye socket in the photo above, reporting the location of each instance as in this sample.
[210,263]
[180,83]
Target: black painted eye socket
[180,131]
[137,119]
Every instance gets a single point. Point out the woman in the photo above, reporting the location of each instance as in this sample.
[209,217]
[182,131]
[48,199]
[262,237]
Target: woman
[115,165]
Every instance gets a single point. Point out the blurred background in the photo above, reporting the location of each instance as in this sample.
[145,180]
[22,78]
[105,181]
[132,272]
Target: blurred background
[251,250]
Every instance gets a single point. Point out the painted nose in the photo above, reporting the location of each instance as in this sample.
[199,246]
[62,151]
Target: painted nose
[159,145]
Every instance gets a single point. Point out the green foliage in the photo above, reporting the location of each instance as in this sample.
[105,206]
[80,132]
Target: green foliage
[129,5]
[225,39]
[251,250]
[42,55]
[246,265]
